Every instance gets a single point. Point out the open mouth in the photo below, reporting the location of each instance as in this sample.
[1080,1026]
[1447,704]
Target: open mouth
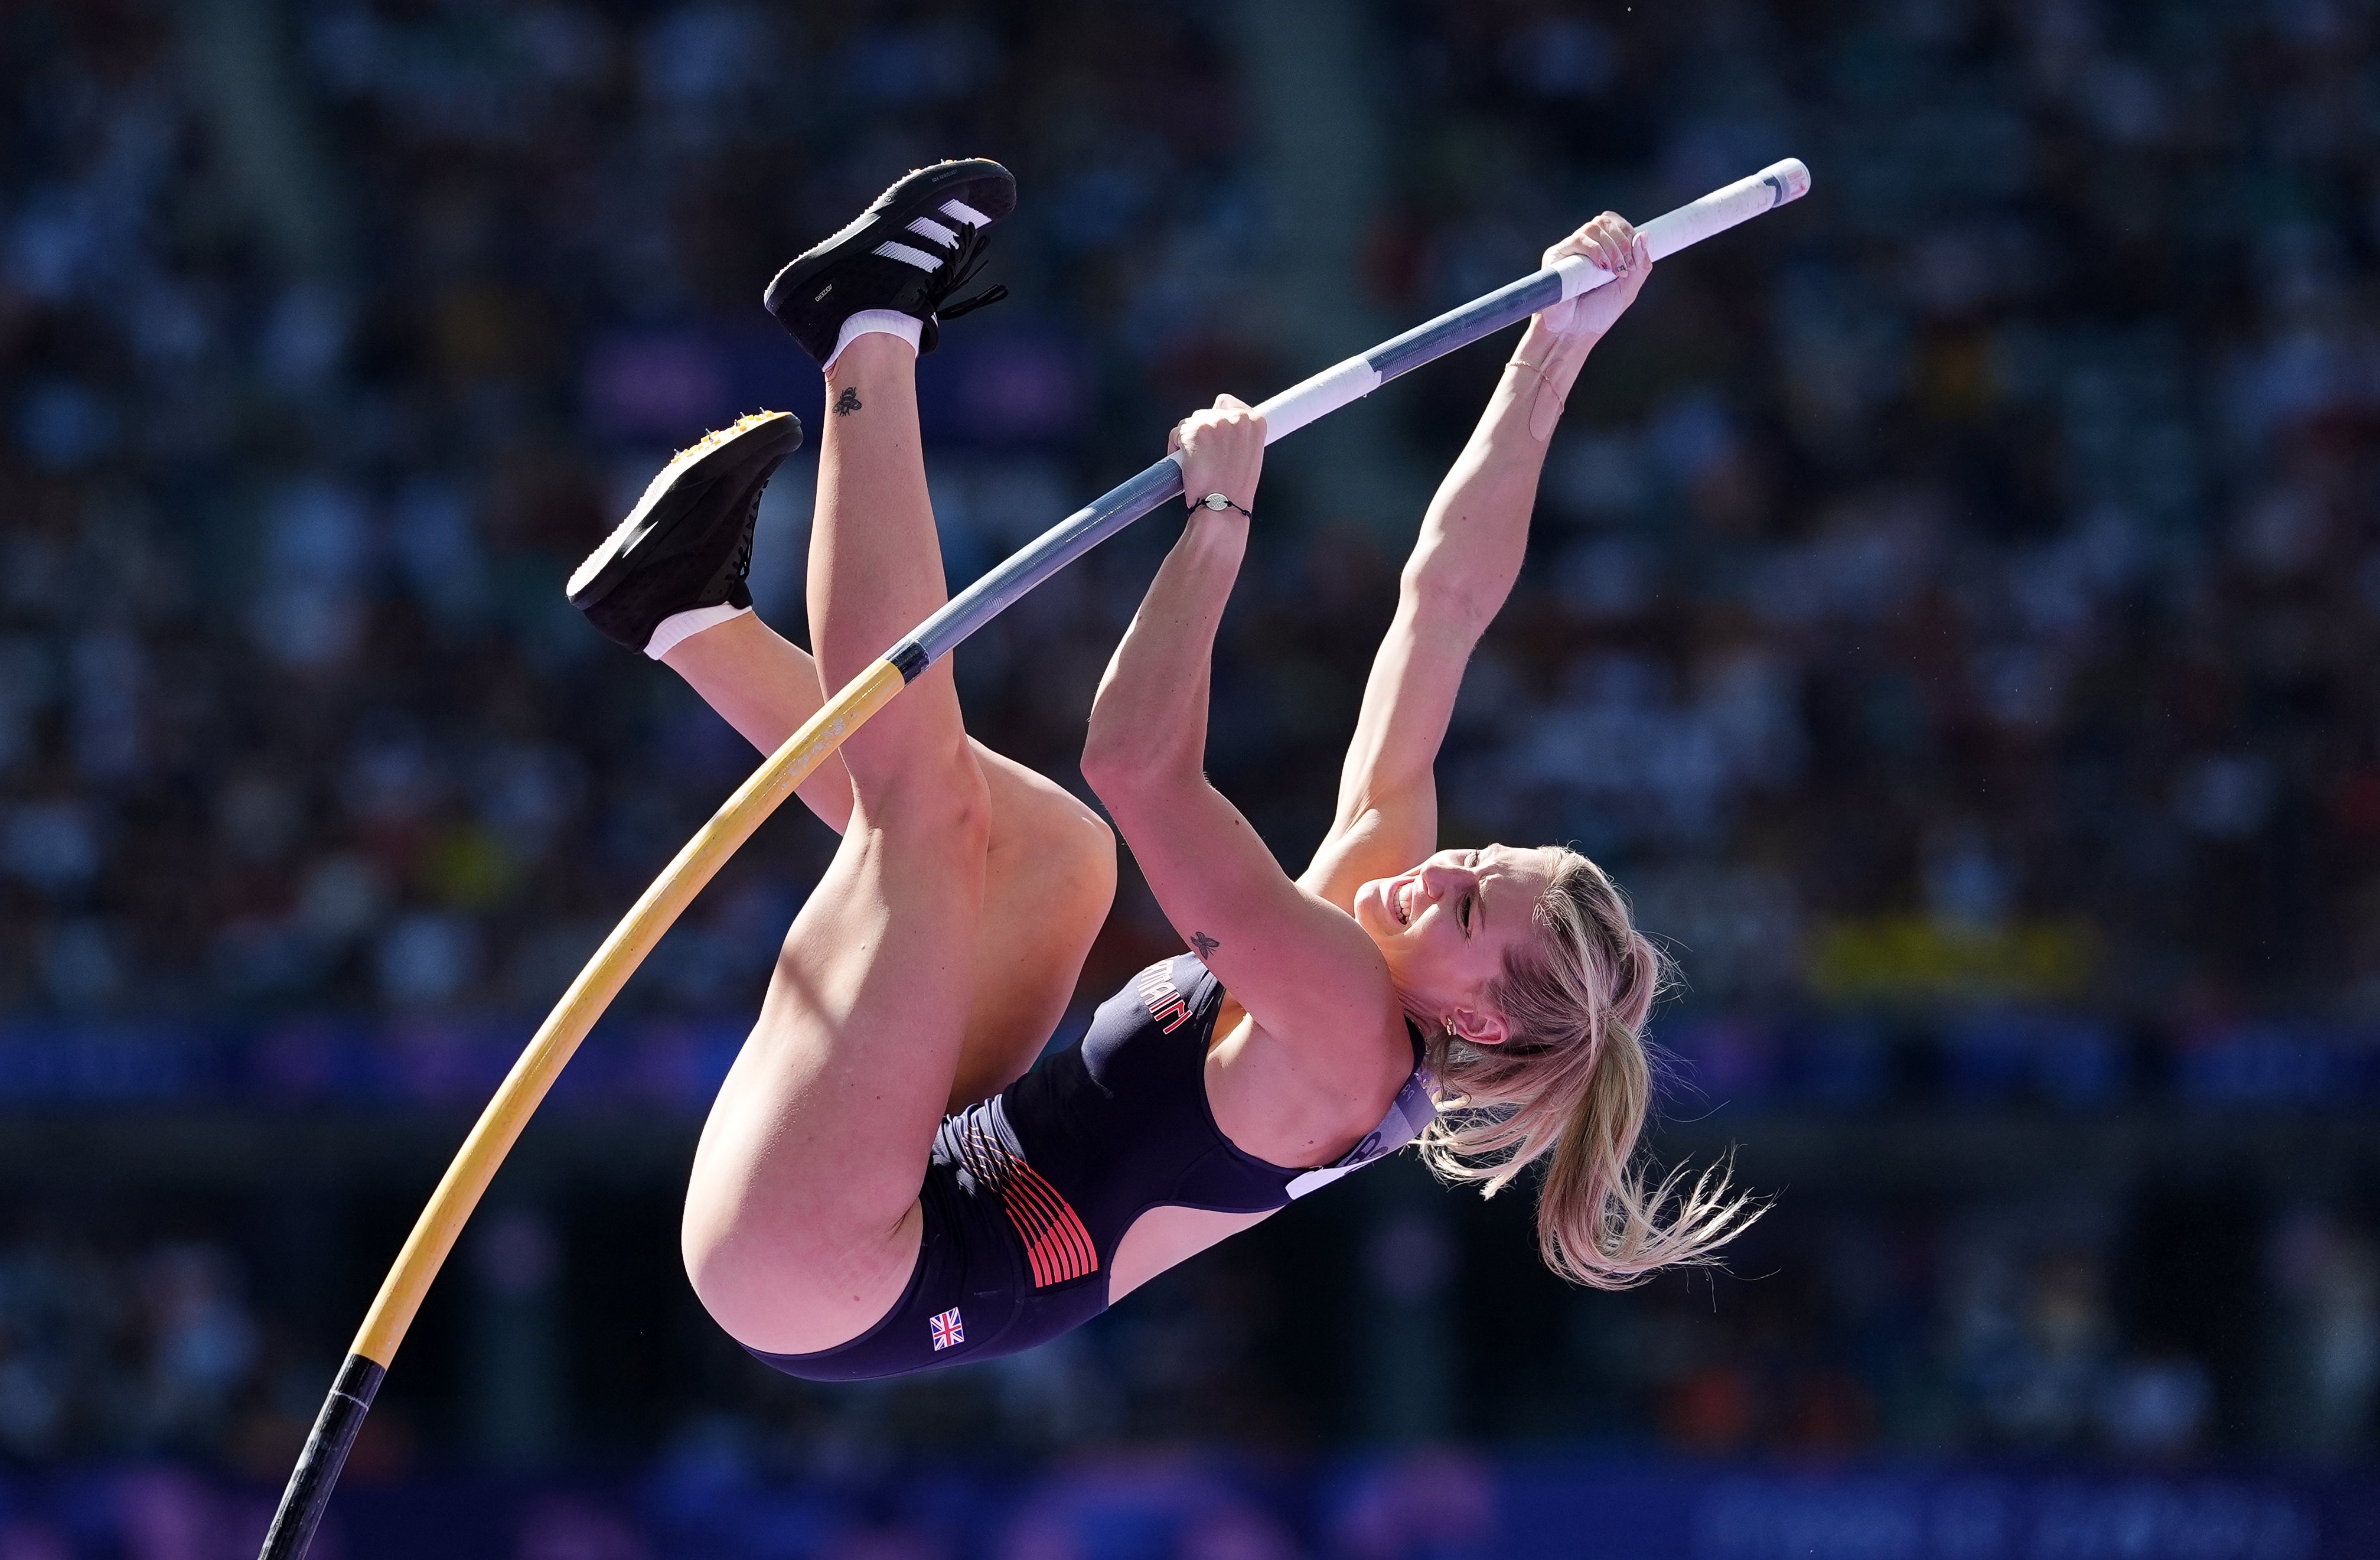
[1397,902]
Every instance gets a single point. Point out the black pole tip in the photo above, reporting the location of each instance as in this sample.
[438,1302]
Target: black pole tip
[309,1494]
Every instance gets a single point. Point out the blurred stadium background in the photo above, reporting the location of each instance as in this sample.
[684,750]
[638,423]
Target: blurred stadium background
[1955,613]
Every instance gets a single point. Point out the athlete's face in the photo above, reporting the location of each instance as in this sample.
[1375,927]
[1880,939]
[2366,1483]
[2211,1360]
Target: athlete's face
[1447,925]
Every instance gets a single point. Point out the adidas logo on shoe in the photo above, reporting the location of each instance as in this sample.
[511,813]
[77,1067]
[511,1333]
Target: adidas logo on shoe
[919,244]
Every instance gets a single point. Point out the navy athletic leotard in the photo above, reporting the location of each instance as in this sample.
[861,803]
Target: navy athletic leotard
[1028,1193]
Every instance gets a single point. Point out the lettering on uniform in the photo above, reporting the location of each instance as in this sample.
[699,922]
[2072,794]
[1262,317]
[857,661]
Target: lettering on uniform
[1163,998]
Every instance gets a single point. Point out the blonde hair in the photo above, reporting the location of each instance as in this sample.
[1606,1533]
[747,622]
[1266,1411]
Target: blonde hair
[1571,1084]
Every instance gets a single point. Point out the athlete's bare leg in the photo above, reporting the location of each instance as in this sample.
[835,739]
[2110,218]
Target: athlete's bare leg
[802,1223]
[1049,874]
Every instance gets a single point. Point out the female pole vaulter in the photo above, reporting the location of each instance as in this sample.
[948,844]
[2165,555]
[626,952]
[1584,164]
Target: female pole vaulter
[888,1180]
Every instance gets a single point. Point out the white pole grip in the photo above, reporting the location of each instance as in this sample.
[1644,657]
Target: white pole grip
[1310,400]
[1697,220]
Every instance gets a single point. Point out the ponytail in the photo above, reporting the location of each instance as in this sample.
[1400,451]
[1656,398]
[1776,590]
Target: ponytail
[1572,1085]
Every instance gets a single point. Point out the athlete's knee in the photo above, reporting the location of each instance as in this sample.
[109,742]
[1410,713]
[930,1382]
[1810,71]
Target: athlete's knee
[961,804]
[1088,821]
[1057,841]
[1085,861]
[944,795]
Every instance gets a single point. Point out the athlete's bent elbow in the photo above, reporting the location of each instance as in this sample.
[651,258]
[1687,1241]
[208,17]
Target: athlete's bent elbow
[1118,769]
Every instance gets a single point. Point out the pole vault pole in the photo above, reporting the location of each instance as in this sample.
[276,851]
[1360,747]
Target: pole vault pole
[549,1050]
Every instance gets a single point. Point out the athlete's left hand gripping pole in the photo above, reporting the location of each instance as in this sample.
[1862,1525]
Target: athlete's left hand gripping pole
[492,1137]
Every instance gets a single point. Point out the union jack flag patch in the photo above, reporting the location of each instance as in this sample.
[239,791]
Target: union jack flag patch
[947,1332]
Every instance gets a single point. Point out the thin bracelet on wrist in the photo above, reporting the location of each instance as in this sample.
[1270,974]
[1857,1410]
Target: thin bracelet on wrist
[1561,398]
[1220,502]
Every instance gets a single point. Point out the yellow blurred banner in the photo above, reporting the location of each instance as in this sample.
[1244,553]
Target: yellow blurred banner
[1915,958]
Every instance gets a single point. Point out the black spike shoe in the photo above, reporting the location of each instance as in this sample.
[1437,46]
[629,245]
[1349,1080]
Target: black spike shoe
[688,542]
[921,241]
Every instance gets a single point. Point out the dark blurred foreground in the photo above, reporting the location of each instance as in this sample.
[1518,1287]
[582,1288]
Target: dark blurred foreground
[1433,1505]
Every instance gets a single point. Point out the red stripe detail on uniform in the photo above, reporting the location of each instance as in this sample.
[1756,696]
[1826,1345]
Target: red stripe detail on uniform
[1056,1242]
[1033,1220]
[1058,1245]
[1029,1219]
[1038,1221]
[1081,1254]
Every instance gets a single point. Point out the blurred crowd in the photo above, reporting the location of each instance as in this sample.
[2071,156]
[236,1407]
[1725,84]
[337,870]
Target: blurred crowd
[1957,586]
[148,1350]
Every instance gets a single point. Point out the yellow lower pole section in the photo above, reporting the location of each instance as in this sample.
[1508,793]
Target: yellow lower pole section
[557,1038]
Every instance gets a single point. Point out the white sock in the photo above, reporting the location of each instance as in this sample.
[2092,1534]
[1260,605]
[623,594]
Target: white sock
[891,322]
[680,627]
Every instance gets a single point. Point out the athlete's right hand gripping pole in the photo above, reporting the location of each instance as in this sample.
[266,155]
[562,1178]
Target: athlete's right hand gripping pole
[657,909]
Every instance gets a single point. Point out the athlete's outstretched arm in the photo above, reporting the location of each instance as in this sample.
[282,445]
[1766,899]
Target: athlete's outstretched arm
[1463,567]
[1304,969]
